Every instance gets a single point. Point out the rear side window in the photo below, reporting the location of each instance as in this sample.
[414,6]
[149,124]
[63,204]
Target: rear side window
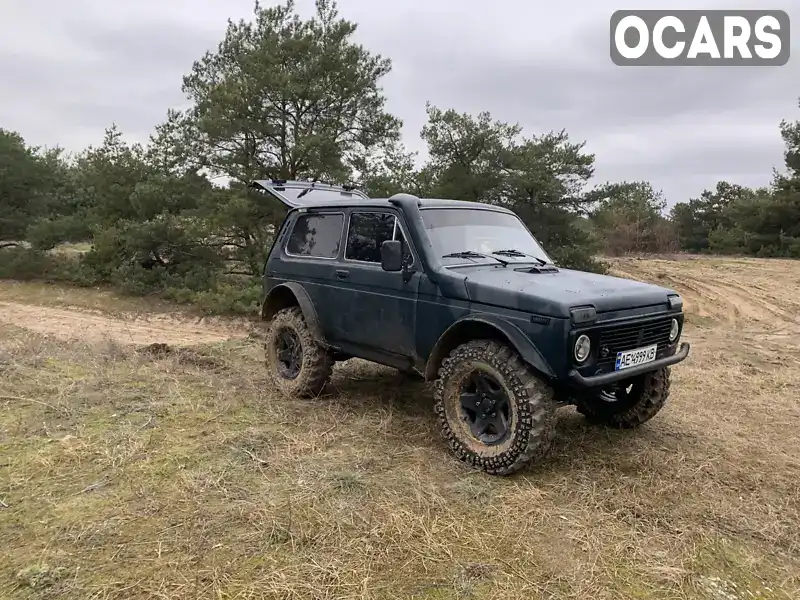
[316,235]
[367,231]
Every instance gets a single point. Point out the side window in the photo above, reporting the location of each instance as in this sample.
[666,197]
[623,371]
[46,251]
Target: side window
[367,231]
[316,235]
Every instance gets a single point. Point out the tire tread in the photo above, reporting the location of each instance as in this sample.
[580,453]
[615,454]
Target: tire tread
[317,361]
[535,408]
[653,397]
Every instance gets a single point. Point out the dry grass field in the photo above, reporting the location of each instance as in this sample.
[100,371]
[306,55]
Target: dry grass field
[183,475]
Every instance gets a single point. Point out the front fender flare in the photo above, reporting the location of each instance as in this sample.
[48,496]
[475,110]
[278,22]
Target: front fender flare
[275,301]
[452,337]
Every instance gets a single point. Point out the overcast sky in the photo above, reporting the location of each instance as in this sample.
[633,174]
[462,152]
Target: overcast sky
[69,69]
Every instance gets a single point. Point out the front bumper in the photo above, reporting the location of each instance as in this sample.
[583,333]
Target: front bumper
[614,376]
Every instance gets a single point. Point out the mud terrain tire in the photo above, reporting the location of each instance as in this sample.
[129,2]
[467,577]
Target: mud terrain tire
[528,419]
[647,396]
[297,365]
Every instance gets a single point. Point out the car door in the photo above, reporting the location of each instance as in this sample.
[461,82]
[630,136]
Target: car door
[381,305]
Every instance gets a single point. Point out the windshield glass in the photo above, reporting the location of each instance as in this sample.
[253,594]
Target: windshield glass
[455,230]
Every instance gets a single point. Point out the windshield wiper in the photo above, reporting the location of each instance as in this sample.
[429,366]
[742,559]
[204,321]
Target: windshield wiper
[513,252]
[473,254]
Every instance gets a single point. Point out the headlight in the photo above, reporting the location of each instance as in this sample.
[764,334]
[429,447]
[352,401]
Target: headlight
[582,348]
[674,330]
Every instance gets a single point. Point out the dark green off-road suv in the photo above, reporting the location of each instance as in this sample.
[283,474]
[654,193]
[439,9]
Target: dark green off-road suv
[463,294]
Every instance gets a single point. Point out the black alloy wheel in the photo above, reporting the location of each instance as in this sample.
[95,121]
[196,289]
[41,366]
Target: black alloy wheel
[495,411]
[484,407]
[290,354]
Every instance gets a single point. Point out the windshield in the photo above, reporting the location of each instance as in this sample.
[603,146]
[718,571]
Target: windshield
[458,230]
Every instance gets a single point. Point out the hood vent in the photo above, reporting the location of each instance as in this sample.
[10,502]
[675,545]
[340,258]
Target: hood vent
[538,269]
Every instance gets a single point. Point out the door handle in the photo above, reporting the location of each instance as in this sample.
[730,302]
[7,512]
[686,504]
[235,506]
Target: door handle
[342,273]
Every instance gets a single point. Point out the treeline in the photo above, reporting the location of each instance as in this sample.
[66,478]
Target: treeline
[290,98]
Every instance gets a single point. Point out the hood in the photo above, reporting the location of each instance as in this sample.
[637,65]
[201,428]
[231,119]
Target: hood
[554,293]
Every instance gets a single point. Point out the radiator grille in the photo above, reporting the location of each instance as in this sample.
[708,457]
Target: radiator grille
[628,337]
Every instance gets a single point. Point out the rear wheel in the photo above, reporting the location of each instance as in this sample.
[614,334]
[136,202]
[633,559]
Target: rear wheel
[628,404]
[494,412]
[297,365]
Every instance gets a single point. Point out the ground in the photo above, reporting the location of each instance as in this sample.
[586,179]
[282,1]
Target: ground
[134,474]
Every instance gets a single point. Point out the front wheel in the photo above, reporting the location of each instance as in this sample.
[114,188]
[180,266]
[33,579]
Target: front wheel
[494,412]
[628,404]
[297,365]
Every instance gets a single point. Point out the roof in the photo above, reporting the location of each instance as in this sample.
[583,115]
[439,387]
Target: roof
[423,203]
[448,203]
[306,194]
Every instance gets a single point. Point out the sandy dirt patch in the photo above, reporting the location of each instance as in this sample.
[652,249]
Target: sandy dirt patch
[94,326]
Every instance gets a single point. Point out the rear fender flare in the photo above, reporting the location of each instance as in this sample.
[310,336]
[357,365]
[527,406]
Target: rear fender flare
[459,333]
[293,294]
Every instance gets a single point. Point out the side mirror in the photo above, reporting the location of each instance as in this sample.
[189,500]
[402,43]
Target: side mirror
[392,255]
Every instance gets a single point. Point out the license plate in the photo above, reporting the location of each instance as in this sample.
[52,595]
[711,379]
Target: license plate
[635,357]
